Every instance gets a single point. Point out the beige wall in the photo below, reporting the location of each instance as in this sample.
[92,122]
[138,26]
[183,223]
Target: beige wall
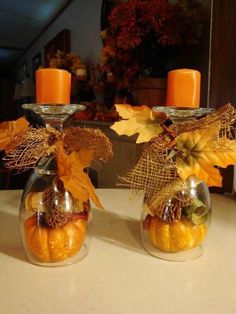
[82,17]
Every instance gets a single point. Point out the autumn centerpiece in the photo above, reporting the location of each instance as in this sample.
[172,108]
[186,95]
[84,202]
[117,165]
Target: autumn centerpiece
[179,160]
[143,37]
[55,210]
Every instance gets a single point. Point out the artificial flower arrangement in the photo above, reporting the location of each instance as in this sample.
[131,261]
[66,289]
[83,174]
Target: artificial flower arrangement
[142,37]
[177,157]
[67,61]
[55,208]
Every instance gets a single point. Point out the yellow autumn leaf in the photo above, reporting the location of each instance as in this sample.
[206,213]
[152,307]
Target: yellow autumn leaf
[71,172]
[138,119]
[198,153]
[10,129]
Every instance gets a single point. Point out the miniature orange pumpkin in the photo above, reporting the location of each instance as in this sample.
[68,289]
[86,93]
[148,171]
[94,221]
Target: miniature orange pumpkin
[54,244]
[177,236]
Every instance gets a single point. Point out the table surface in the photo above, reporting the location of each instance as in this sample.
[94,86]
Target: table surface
[118,276]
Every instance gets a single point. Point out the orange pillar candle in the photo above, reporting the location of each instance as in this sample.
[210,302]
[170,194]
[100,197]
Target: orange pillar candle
[53,86]
[183,88]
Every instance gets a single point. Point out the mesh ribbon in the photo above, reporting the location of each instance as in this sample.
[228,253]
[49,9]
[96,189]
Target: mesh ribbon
[156,174]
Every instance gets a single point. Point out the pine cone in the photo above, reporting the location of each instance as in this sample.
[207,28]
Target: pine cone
[48,198]
[171,211]
[56,218]
[54,196]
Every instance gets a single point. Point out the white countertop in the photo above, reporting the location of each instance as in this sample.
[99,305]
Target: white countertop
[118,276]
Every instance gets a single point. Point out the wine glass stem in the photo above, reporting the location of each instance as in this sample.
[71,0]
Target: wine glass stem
[54,123]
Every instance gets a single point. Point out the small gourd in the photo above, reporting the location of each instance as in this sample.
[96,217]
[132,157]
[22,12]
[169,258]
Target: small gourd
[176,236]
[50,244]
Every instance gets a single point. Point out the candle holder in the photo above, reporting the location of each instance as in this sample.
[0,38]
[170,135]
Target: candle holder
[55,226]
[183,113]
[55,211]
[178,226]
[54,115]
[178,164]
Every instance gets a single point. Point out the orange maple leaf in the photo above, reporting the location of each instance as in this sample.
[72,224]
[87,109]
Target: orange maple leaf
[139,119]
[10,129]
[71,170]
[198,153]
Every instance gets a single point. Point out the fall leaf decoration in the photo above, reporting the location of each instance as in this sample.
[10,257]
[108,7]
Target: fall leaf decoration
[91,139]
[73,148]
[139,119]
[74,156]
[174,152]
[30,147]
[9,130]
[200,151]
[225,115]
[153,171]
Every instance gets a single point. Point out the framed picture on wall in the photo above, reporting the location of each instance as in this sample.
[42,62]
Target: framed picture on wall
[36,63]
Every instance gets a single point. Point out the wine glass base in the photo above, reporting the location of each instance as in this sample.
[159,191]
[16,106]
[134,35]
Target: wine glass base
[183,256]
[184,113]
[54,115]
